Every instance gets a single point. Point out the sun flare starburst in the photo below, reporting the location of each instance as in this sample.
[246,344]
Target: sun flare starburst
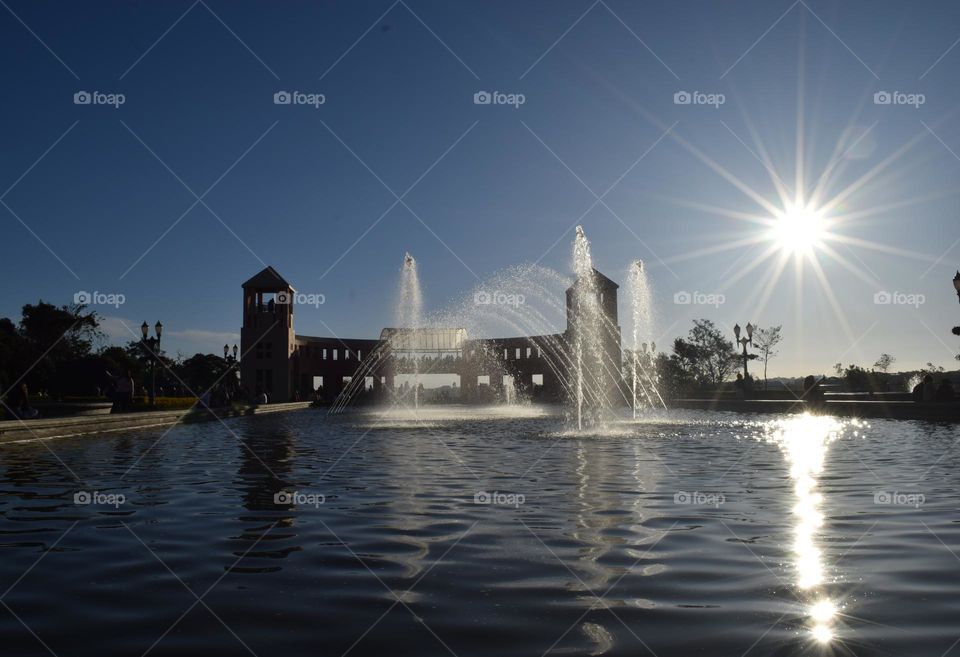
[799,230]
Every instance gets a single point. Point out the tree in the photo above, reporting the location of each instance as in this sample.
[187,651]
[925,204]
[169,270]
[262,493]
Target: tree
[705,356]
[838,368]
[884,362]
[44,348]
[201,371]
[61,333]
[765,341]
[858,379]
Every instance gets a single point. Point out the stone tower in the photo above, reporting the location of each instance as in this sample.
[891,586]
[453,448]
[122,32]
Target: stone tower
[267,337]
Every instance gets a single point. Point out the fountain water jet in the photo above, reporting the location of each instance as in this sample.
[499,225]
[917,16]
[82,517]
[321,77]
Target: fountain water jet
[410,312]
[586,339]
[641,311]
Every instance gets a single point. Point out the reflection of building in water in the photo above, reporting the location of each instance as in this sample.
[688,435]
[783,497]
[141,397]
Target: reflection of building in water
[414,502]
[277,361]
[266,460]
[609,497]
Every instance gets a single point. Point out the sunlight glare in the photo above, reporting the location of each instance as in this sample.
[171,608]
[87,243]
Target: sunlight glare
[799,229]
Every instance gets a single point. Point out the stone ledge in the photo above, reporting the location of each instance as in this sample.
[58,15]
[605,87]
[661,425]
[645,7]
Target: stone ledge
[13,431]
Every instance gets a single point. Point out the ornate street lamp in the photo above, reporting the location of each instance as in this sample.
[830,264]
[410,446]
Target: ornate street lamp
[152,346]
[748,340]
[956,286]
[231,364]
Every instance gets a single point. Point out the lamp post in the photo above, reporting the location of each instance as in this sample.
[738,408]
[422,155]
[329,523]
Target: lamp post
[748,340]
[231,359]
[152,346]
[956,286]
[231,363]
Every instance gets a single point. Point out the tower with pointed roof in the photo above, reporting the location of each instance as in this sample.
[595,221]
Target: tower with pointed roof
[266,336]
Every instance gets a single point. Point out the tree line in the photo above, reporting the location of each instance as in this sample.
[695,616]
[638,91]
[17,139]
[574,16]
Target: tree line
[59,351]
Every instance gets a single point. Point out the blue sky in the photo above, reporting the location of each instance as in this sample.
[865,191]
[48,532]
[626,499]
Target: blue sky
[103,198]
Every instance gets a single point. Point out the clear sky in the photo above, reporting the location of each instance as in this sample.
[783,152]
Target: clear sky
[99,197]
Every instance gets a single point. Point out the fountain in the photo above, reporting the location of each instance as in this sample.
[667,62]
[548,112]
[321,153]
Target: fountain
[409,315]
[641,365]
[589,400]
[581,366]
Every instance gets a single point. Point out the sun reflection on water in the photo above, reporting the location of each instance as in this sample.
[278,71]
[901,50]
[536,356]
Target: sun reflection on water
[805,440]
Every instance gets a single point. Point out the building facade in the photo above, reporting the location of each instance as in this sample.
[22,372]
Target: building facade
[286,366]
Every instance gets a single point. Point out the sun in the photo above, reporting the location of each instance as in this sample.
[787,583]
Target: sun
[799,229]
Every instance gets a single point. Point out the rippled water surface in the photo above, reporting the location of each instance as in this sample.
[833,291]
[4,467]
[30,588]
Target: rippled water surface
[476,533]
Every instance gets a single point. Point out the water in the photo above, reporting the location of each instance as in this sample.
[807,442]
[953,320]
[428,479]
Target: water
[409,313]
[699,534]
[640,362]
[591,402]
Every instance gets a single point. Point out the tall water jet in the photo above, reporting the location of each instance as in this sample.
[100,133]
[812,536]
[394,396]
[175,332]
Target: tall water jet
[642,377]
[409,314]
[589,393]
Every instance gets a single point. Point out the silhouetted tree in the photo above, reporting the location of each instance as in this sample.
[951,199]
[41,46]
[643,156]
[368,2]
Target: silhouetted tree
[705,355]
[884,362]
[765,341]
[201,371]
